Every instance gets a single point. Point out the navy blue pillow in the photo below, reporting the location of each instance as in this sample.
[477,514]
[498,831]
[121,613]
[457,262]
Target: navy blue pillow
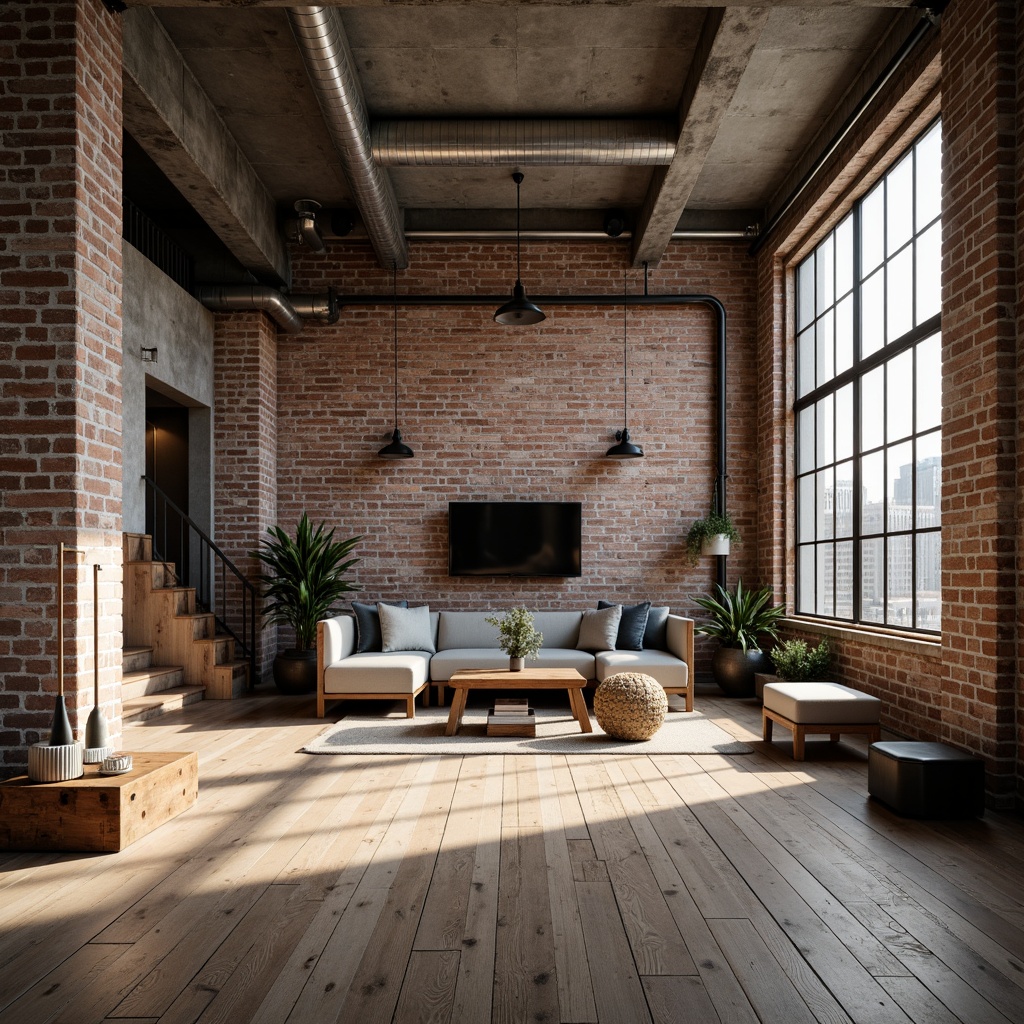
[368,636]
[656,633]
[631,626]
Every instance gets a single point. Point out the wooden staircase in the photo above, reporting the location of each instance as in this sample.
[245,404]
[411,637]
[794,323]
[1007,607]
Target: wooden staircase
[172,655]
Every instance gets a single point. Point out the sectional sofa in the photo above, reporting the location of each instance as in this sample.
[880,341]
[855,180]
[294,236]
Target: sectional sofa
[465,640]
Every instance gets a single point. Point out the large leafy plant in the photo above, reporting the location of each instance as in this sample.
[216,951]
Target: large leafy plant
[304,577]
[741,617]
[516,635]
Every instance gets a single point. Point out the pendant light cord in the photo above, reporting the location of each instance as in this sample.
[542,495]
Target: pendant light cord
[518,178]
[394,293]
[625,359]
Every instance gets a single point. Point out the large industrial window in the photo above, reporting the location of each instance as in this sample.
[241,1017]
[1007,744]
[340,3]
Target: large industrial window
[868,408]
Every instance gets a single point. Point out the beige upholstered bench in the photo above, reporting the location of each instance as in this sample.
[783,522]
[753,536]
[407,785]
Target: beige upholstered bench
[819,709]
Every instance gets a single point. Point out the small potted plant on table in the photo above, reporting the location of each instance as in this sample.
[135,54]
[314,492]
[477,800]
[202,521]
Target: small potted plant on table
[517,637]
[739,619]
[304,578]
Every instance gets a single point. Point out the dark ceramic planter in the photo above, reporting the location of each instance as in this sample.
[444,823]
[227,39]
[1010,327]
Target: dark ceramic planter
[733,669]
[295,671]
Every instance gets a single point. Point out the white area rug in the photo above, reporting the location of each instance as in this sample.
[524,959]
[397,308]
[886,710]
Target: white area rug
[557,733]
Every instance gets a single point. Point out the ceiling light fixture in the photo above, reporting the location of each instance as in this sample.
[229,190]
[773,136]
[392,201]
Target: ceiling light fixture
[624,449]
[519,311]
[396,449]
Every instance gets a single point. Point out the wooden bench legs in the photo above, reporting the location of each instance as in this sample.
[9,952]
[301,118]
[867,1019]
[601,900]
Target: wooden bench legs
[801,729]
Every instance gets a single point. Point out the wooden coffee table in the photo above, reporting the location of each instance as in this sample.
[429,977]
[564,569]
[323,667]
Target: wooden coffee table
[527,679]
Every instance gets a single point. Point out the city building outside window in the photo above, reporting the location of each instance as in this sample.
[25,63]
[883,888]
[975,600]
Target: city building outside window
[868,405]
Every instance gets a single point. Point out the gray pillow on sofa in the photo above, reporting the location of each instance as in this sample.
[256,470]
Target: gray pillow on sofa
[368,624]
[599,629]
[405,629]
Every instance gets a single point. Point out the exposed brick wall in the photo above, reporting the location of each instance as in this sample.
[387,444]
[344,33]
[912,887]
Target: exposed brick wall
[245,445]
[1020,395]
[979,350]
[60,360]
[501,413]
[965,690]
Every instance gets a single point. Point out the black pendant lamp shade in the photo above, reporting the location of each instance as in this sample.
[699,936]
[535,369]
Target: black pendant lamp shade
[624,449]
[519,311]
[396,449]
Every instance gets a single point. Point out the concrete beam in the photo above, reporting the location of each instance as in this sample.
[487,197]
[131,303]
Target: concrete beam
[173,119]
[518,3]
[726,42]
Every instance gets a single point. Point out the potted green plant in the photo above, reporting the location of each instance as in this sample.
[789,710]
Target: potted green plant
[795,662]
[516,636]
[739,620]
[304,578]
[710,535]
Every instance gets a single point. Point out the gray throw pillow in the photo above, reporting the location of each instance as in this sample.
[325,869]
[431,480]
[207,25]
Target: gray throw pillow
[656,633]
[368,624]
[599,629]
[405,629]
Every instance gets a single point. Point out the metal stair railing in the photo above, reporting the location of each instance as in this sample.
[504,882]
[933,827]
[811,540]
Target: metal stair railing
[220,587]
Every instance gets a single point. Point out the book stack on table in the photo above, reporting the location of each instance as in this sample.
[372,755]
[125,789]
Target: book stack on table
[511,716]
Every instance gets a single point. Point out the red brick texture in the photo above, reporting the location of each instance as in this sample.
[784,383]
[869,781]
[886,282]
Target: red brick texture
[504,413]
[60,361]
[245,445]
[1020,394]
[964,691]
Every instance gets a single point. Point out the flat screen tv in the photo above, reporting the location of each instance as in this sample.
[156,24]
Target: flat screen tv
[514,538]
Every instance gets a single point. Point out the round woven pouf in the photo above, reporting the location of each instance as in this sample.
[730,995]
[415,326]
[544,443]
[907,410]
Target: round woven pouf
[630,706]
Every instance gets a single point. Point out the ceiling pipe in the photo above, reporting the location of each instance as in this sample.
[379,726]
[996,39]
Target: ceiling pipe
[321,39]
[556,235]
[721,354]
[286,312]
[620,142]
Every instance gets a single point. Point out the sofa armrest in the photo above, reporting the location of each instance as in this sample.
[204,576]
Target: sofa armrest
[335,639]
[679,638]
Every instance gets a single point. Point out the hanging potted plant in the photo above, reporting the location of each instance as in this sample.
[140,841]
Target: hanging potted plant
[712,534]
[739,619]
[304,578]
[517,637]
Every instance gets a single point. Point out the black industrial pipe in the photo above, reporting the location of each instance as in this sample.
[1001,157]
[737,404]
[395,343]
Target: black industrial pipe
[597,300]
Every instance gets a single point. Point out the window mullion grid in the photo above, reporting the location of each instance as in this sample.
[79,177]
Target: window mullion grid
[858,546]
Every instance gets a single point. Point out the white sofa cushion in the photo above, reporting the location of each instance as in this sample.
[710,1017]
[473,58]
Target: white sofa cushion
[822,703]
[445,662]
[599,628]
[666,668]
[373,672]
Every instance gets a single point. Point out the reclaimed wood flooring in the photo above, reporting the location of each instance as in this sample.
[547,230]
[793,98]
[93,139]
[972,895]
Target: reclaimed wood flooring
[495,888]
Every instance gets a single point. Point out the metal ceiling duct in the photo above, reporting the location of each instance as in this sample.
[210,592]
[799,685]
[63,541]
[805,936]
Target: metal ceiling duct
[321,39]
[632,142]
[284,312]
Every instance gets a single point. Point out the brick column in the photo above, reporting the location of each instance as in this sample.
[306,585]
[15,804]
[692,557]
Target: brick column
[1020,403]
[60,361]
[245,445]
[979,351]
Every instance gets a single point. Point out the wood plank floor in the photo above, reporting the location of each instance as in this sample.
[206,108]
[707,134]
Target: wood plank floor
[491,888]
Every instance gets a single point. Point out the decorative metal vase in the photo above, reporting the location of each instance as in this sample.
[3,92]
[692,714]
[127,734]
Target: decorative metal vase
[295,671]
[733,669]
[516,664]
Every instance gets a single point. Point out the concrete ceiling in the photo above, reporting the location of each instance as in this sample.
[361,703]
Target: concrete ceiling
[493,60]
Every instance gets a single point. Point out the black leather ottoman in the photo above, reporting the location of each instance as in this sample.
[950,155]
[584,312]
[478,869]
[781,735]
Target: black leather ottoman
[926,780]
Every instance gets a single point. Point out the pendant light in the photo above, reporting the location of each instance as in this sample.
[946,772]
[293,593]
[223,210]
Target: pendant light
[624,449]
[519,311]
[396,449]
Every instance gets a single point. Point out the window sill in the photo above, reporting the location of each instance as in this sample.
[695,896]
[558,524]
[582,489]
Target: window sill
[890,640]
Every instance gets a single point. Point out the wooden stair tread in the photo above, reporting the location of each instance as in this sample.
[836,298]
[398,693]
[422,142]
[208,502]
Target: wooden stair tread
[153,672]
[153,704]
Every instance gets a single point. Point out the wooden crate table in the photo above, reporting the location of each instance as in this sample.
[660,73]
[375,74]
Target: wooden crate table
[98,813]
[528,679]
